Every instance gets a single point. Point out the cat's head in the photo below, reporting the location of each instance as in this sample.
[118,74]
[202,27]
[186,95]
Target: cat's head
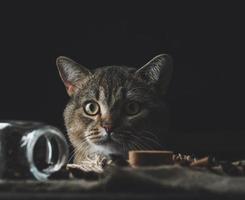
[114,109]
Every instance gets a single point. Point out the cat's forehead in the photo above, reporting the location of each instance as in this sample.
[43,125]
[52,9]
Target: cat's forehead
[109,84]
[113,75]
[113,84]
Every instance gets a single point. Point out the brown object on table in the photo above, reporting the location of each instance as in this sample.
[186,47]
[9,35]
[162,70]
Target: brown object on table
[203,162]
[150,158]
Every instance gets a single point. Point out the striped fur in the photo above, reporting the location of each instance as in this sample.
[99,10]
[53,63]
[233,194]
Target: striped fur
[113,88]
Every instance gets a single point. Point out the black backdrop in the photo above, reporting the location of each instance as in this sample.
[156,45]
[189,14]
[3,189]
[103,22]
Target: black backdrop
[206,41]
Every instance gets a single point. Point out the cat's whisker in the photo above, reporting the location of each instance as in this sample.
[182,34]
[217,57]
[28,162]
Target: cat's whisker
[122,142]
[142,143]
[147,136]
[135,144]
[138,132]
[143,139]
[126,131]
[83,151]
[131,147]
[138,144]
[150,134]
[77,149]
[152,141]
[72,155]
[142,146]
[125,145]
[134,147]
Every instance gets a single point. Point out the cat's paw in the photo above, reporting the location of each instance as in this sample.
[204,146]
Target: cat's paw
[90,164]
[83,167]
[86,167]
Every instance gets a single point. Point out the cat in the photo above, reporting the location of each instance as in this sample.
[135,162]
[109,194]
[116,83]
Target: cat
[114,109]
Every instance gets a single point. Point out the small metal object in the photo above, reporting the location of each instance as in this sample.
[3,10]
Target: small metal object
[31,150]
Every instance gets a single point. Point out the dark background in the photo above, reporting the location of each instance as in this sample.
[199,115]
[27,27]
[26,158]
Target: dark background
[206,41]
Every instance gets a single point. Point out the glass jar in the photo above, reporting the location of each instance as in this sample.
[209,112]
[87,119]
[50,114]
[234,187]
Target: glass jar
[31,150]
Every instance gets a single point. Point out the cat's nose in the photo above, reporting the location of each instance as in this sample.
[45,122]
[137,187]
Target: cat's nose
[107,127]
[106,123]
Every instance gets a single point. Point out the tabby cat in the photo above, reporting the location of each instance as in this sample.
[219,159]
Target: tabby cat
[114,109]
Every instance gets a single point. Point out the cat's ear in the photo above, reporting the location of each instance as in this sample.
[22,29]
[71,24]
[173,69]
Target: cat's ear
[70,73]
[157,71]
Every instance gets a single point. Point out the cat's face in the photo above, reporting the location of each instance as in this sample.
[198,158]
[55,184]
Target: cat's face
[114,109]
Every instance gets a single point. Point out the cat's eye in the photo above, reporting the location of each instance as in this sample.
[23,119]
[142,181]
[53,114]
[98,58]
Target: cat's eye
[91,108]
[132,108]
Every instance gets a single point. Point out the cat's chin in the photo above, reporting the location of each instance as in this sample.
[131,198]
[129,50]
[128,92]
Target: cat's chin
[106,149]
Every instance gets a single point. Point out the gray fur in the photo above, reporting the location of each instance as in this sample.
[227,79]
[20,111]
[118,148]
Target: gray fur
[114,88]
